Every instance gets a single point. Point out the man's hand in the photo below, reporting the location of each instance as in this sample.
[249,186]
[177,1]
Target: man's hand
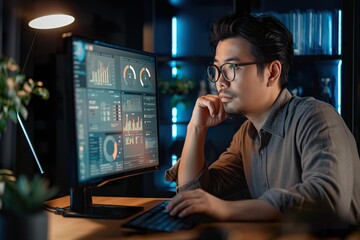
[197,201]
[208,111]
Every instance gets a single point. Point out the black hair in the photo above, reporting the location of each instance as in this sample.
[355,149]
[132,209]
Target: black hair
[270,40]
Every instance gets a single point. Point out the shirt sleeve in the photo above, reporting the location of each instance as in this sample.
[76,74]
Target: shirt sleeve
[200,181]
[224,178]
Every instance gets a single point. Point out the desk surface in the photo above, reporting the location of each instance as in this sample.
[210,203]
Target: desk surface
[85,228]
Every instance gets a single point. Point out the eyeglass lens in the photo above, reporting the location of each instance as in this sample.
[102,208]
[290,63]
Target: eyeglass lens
[227,70]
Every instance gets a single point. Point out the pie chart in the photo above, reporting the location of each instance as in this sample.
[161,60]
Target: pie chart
[110,149]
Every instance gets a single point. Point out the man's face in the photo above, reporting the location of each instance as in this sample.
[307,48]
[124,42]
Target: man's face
[247,93]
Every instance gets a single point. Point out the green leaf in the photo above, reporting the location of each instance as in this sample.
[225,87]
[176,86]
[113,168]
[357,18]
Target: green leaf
[26,196]
[12,115]
[23,112]
[16,91]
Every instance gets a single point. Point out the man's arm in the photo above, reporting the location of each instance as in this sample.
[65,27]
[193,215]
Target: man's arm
[208,111]
[199,201]
[192,157]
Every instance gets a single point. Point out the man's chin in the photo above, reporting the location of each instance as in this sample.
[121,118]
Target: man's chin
[231,112]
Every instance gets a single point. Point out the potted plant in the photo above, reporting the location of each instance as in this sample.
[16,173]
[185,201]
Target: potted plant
[178,87]
[21,200]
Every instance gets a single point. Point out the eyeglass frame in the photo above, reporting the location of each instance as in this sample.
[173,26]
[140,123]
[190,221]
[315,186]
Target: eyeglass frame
[220,71]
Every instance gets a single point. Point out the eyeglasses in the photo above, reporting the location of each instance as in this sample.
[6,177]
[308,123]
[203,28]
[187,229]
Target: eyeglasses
[227,70]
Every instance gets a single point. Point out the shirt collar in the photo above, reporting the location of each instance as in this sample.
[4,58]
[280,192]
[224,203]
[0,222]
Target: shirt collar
[276,119]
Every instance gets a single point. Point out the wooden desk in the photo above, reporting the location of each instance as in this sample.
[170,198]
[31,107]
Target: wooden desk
[84,228]
[87,228]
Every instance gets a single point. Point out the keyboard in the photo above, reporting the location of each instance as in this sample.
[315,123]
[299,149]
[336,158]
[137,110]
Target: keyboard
[158,220]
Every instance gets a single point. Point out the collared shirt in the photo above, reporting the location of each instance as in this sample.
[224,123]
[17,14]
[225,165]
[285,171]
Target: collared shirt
[303,153]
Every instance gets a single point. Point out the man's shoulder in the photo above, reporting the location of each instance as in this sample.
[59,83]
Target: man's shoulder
[309,106]
[289,104]
[301,103]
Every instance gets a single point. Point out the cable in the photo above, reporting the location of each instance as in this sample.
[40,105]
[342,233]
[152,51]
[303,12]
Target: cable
[55,210]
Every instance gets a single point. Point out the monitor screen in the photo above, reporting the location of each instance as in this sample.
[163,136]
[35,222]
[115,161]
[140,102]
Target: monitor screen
[112,115]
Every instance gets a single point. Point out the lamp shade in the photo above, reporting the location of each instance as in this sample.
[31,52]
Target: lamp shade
[51,21]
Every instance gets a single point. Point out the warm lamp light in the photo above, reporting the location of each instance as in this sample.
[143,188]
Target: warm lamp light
[51,21]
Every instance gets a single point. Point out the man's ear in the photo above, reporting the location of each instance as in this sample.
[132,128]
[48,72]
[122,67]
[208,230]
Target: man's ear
[274,69]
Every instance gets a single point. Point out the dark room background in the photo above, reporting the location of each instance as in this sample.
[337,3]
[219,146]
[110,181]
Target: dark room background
[148,25]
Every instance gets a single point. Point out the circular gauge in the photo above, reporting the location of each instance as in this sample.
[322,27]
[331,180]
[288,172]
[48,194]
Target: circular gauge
[110,149]
[145,77]
[129,75]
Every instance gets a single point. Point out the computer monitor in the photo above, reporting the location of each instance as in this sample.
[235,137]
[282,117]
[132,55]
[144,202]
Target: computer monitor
[111,103]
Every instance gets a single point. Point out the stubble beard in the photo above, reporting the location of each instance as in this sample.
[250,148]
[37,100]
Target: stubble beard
[231,112]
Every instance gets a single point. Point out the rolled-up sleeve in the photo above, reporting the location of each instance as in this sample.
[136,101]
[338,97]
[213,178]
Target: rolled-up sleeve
[282,199]
[200,181]
[222,178]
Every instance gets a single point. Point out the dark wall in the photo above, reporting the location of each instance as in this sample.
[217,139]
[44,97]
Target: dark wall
[119,22]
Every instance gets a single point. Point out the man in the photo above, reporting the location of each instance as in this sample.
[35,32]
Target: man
[291,152]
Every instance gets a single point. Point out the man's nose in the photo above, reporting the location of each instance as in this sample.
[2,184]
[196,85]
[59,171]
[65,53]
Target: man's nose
[222,82]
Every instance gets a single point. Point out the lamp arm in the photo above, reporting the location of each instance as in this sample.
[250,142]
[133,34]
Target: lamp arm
[28,55]
[29,142]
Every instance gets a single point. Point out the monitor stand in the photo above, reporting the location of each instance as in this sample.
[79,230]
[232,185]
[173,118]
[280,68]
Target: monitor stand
[81,206]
